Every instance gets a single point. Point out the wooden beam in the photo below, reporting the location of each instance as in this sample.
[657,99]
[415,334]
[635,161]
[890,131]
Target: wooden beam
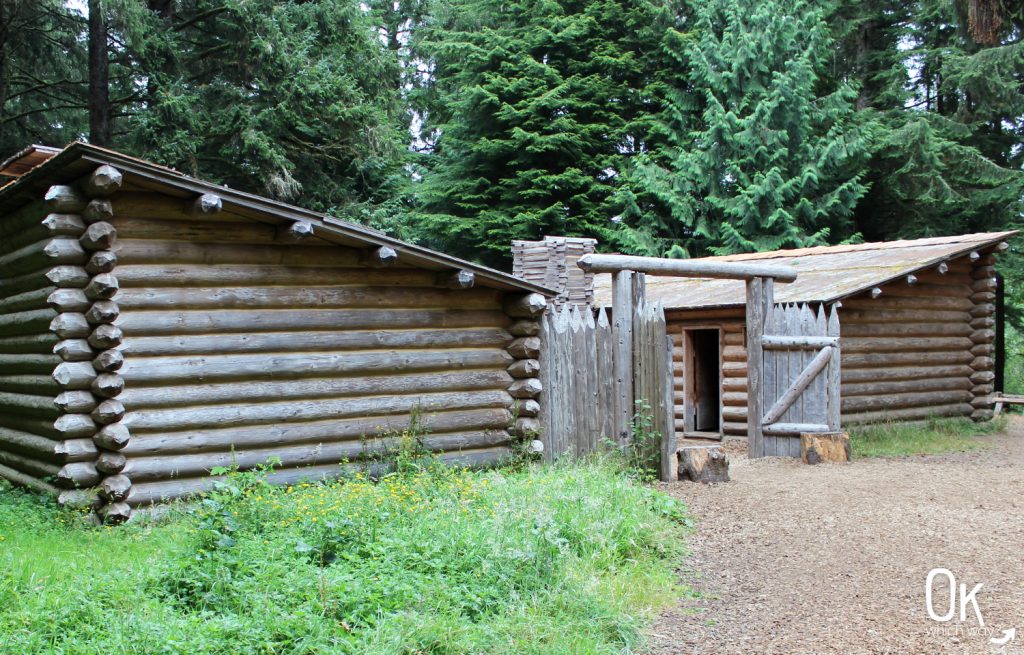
[685,268]
[757,308]
[797,343]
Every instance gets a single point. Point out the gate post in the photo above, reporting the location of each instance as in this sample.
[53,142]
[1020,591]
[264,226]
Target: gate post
[759,302]
[622,321]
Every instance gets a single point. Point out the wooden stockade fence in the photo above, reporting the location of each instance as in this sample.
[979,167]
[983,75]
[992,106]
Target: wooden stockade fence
[583,396]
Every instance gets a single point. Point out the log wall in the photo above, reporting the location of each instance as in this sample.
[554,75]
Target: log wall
[909,351]
[240,343]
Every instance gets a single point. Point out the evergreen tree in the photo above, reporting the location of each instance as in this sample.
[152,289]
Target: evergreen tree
[761,157]
[532,109]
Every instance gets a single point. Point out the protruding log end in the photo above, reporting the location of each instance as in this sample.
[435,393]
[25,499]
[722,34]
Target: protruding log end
[461,279]
[70,225]
[103,181]
[98,210]
[103,311]
[101,261]
[70,325]
[79,499]
[110,463]
[1002,246]
[525,427]
[115,513]
[74,426]
[69,300]
[528,407]
[108,361]
[98,236]
[295,232]
[525,306]
[102,287]
[524,328]
[109,411]
[107,385]
[524,368]
[77,475]
[379,257]
[112,437]
[911,279]
[528,388]
[68,277]
[115,488]
[75,402]
[943,268]
[105,336]
[74,375]
[207,204]
[525,348]
[64,199]
[73,350]
[974,256]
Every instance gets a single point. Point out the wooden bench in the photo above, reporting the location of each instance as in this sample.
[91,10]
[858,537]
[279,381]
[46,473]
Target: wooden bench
[997,400]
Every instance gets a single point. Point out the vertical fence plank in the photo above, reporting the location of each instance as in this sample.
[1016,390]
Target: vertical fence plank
[834,375]
[622,319]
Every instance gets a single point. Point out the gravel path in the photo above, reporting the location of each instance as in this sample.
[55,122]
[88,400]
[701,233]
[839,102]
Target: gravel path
[795,559]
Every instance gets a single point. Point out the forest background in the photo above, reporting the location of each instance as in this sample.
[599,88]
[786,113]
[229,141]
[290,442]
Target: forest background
[660,127]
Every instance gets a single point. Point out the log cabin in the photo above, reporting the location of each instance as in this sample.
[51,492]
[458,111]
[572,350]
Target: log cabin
[154,326]
[919,329]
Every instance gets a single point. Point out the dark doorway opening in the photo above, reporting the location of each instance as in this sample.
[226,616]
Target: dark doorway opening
[703,383]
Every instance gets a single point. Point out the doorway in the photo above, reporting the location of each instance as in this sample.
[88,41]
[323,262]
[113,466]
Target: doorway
[703,382]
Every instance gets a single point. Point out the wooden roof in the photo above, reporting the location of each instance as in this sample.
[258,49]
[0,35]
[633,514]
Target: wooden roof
[78,159]
[826,274]
[24,161]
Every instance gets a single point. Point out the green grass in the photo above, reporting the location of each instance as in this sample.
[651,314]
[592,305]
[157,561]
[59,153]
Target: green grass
[933,437]
[565,559]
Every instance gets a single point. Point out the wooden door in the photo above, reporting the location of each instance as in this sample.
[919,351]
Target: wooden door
[702,382]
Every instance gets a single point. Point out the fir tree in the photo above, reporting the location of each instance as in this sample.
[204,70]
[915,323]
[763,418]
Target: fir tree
[533,107]
[760,157]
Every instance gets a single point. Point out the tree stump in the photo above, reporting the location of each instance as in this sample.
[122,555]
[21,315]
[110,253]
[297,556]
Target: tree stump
[817,447]
[703,464]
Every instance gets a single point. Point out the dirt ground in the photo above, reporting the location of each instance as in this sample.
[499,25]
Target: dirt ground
[795,559]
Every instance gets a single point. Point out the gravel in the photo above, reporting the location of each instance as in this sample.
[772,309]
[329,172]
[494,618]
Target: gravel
[795,559]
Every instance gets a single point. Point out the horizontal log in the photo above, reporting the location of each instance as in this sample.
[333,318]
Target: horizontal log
[147,275]
[524,427]
[737,369]
[526,388]
[307,297]
[138,251]
[979,415]
[306,389]
[983,336]
[980,297]
[283,413]
[797,343]
[528,305]
[77,475]
[40,343]
[908,414]
[794,428]
[685,267]
[460,279]
[905,386]
[51,252]
[983,322]
[982,377]
[872,317]
[950,287]
[982,349]
[72,426]
[26,443]
[27,322]
[858,404]
[29,363]
[64,199]
[853,345]
[53,225]
[207,204]
[26,217]
[703,316]
[145,493]
[32,384]
[70,325]
[25,480]
[24,301]
[167,370]
[734,354]
[983,389]
[981,402]
[207,322]
[734,413]
[734,384]
[74,350]
[141,469]
[735,397]
[102,182]
[875,360]
[983,309]
[524,368]
[28,405]
[928,303]
[381,257]
[884,329]
[983,364]
[74,375]
[907,372]
[75,402]
[265,436]
[984,284]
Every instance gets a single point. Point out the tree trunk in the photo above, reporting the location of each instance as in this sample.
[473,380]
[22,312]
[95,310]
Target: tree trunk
[99,81]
